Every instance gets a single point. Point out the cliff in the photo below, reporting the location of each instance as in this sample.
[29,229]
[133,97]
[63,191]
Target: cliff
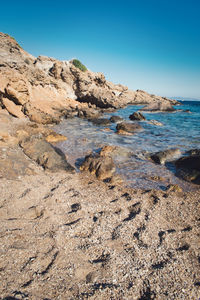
[44,89]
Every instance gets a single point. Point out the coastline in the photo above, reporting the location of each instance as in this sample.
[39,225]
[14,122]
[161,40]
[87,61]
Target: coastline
[70,236]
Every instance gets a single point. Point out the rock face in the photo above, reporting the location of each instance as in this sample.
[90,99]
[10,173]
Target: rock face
[45,89]
[163,156]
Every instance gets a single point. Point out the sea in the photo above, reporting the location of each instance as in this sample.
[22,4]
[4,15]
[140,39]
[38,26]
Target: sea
[180,129]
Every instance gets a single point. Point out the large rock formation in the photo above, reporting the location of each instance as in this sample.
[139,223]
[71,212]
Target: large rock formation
[45,89]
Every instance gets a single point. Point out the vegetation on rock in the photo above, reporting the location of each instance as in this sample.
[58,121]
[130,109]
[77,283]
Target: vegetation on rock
[79,65]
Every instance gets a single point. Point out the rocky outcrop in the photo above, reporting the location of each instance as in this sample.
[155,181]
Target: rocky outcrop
[159,107]
[45,89]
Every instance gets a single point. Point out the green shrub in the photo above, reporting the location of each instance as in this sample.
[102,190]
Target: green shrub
[79,65]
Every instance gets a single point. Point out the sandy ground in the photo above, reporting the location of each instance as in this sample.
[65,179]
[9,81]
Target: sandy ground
[70,236]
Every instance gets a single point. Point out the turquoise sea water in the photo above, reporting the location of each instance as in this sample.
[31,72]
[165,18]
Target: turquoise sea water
[180,130]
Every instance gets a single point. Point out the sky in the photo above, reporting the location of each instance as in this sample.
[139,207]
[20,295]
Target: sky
[153,45]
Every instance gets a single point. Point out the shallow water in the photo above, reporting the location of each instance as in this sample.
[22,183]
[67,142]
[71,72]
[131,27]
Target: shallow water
[180,130]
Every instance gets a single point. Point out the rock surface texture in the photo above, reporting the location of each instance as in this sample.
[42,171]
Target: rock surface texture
[45,89]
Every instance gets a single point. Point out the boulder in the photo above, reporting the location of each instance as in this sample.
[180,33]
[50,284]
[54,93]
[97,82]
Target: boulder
[189,168]
[45,155]
[137,116]
[100,165]
[128,127]
[162,156]
[116,119]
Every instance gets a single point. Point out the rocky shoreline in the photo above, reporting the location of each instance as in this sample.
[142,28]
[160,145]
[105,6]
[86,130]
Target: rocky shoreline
[68,235]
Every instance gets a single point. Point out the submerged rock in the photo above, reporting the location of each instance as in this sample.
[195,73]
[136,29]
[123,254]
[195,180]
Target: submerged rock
[116,119]
[54,137]
[137,116]
[128,127]
[100,121]
[162,156]
[154,122]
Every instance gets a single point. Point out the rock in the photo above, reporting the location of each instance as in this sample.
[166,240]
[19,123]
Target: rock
[128,127]
[123,132]
[162,156]
[54,137]
[53,88]
[102,166]
[116,119]
[191,162]
[193,152]
[115,151]
[101,121]
[38,116]
[173,188]
[12,108]
[159,107]
[45,155]
[154,122]
[137,116]
[189,167]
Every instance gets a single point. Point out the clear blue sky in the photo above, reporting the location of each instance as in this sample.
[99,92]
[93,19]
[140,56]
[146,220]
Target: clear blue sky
[145,44]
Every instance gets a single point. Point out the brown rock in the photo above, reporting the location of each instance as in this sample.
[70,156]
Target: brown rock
[54,137]
[12,108]
[46,155]
[102,166]
[128,127]
[137,116]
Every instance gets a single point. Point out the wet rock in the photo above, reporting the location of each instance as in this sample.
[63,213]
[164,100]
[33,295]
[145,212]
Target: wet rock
[154,122]
[46,155]
[116,119]
[114,151]
[162,156]
[193,152]
[100,121]
[128,127]
[173,188]
[189,167]
[101,166]
[54,137]
[137,116]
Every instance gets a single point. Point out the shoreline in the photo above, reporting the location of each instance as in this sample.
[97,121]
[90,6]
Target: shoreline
[71,236]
